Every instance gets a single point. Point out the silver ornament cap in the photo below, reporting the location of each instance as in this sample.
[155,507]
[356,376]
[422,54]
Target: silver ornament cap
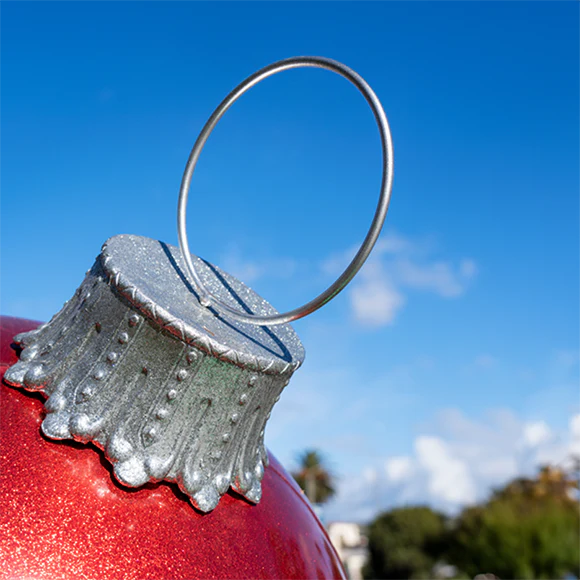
[169,389]
[171,365]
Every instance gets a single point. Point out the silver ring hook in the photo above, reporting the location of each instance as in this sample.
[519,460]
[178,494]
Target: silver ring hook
[206,297]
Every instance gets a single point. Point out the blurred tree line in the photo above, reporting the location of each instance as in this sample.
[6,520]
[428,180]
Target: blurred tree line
[528,529]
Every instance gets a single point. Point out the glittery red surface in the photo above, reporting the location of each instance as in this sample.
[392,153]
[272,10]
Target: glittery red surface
[62,515]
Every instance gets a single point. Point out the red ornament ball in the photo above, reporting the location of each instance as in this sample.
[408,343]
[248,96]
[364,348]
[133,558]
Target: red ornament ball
[64,516]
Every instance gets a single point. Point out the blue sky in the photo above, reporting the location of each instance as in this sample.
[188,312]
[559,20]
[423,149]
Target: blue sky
[451,362]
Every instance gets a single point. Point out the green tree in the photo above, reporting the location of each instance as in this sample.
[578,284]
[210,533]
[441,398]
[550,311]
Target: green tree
[528,529]
[405,543]
[551,482]
[314,477]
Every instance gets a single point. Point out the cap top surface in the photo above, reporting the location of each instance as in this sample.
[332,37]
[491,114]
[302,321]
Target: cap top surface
[151,275]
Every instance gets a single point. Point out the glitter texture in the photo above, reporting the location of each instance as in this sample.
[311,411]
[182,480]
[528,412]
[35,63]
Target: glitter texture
[63,516]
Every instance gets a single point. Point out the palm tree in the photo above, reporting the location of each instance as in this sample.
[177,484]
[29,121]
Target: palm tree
[313,477]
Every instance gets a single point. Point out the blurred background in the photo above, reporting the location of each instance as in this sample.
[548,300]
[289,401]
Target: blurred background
[441,388]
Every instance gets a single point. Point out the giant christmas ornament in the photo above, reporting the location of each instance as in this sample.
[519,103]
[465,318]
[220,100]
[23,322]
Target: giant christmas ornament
[170,367]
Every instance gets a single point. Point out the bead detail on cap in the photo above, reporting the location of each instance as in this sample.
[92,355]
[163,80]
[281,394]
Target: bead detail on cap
[150,433]
[155,393]
[85,394]
[161,414]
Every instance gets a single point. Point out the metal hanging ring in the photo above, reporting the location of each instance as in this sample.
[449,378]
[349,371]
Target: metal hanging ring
[206,297]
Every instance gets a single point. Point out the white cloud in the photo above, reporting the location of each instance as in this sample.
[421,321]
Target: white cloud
[575,439]
[398,468]
[434,474]
[395,244]
[375,301]
[575,426]
[448,477]
[457,461]
[441,278]
[534,434]
[370,475]
[396,266]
